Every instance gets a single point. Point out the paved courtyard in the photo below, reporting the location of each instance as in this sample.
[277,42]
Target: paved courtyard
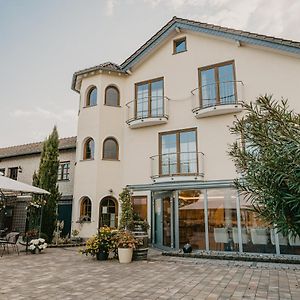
[65,274]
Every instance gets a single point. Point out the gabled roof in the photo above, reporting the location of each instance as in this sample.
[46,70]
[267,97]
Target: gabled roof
[35,148]
[210,29]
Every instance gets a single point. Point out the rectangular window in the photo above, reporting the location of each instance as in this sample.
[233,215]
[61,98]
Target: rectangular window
[179,45]
[13,173]
[217,85]
[63,171]
[139,205]
[178,152]
[2,171]
[149,97]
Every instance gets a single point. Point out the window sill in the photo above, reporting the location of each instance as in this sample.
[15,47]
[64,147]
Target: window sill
[174,53]
[88,159]
[89,106]
[110,159]
[62,180]
[118,106]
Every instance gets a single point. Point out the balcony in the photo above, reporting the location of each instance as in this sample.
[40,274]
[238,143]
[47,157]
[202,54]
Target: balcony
[178,166]
[143,113]
[218,98]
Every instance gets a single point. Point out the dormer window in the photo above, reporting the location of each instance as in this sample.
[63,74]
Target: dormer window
[179,45]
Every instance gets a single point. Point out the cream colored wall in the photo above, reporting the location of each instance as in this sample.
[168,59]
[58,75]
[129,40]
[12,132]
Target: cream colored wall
[30,163]
[261,70]
[94,178]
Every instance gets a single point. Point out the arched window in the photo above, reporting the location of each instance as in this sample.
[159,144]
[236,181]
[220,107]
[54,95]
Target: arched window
[85,209]
[91,97]
[108,214]
[110,149]
[88,149]
[112,96]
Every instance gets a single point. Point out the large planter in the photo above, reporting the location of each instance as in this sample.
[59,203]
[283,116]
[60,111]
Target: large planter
[102,255]
[141,252]
[125,255]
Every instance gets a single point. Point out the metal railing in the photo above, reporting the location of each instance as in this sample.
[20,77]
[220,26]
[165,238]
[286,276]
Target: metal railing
[143,108]
[218,93]
[177,164]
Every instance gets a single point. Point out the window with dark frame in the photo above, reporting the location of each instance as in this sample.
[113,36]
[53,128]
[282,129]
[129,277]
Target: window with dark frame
[110,149]
[63,171]
[178,152]
[139,205]
[149,98]
[217,85]
[13,173]
[91,99]
[88,149]
[85,209]
[179,45]
[112,96]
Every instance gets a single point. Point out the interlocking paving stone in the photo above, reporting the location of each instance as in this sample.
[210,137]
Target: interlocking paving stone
[62,273]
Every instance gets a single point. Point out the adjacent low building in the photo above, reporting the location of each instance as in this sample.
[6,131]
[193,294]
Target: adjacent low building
[20,162]
[158,123]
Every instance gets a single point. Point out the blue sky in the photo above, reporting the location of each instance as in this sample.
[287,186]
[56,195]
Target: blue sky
[43,42]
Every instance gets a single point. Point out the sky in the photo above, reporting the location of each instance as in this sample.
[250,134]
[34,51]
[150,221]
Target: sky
[43,42]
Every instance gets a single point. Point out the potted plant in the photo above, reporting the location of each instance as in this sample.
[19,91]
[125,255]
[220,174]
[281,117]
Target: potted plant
[126,242]
[37,245]
[101,244]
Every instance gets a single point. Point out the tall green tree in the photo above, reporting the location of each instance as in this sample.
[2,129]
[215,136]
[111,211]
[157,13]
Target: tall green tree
[46,178]
[267,155]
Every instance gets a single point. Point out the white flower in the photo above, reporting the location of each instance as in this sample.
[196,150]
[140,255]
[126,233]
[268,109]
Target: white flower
[31,247]
[41,240]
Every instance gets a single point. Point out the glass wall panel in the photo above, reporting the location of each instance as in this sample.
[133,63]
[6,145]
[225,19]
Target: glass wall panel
[208,88]
[142,100]
[168,154]
[157,103]
[188,152]
[222,220]
[167,221]
[256,235]
[191,219]
[226,84]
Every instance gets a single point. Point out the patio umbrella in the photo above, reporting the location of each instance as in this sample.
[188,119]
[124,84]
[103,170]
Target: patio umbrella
[10,185]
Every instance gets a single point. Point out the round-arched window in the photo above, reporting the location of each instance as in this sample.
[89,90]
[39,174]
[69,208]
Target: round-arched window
[112,96]
[88,149]
[91,99]
[85,209]
[110,149]
[108,215]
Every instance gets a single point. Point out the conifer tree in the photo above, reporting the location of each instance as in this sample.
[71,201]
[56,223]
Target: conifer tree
[46,178]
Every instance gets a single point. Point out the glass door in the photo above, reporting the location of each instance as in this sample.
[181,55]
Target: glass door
[163,219]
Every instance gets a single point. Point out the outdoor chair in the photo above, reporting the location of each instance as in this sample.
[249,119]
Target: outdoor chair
[259,236]
[294,241]
[221,236]
[10,239]
[282,239]
[235,236]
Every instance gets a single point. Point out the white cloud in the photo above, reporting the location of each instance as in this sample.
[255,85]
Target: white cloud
[110,7]
[43,114]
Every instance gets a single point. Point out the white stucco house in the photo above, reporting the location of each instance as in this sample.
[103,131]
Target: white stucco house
[158,124]
[20,162]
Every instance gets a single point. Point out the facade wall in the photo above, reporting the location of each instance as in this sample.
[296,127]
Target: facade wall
[260,69]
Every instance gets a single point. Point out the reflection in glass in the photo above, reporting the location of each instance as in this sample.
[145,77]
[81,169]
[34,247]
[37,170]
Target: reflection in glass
[139,205]
[166,221]
[208,88]
[108,213]
[259,233]
[157,98]
[142,100]
[222,220]
[226,84]
[188,155]
[168,154]
[191,219]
